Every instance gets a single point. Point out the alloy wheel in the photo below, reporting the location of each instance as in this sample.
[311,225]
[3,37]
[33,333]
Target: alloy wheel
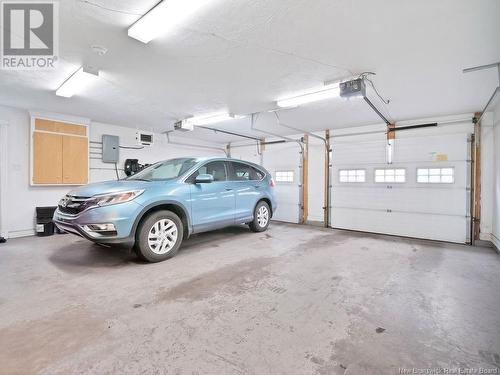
[262,216]
[162,236]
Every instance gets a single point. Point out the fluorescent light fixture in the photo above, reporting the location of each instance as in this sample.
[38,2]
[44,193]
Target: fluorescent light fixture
[212,118]
[77,82]
[332,91]
[164,17]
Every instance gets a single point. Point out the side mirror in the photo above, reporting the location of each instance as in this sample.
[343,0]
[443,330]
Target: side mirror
[204,179]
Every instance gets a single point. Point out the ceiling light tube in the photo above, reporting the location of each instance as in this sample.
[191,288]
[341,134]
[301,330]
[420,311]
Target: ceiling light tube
[163,17]
[77,82]
[332,92]
[212,118]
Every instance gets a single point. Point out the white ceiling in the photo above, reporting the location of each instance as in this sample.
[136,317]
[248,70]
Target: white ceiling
[242,55]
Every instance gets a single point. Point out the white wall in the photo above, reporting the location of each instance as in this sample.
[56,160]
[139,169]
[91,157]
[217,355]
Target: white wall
[19,209]
[247,151]
[159,150]
[487,177]
[490,174]
[496,173]
[21,199]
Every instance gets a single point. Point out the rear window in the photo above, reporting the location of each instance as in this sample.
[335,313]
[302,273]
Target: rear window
[245,172]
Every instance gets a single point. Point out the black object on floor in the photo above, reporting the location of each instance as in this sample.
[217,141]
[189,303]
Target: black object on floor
[44,224]
[2,240]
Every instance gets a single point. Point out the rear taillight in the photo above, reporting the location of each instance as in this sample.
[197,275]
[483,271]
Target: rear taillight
[271,183]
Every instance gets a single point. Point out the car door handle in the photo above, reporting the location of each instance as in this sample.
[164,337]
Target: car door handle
[229,189]
[256,186]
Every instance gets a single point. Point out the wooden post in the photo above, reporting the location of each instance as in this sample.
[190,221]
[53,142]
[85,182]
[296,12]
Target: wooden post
[305,180]
[391,134]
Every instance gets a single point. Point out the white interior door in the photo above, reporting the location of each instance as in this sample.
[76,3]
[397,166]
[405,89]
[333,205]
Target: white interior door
[283,161]
[438,210]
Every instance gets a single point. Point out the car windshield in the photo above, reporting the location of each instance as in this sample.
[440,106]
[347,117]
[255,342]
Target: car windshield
[166,170]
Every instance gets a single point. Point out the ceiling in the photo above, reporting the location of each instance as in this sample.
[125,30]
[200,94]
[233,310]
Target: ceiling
[242,55]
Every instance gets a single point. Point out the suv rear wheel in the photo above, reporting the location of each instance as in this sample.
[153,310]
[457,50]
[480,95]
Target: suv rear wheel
[261,217]
[159,236]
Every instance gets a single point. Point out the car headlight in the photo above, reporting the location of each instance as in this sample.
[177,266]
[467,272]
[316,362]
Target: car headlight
[116,198]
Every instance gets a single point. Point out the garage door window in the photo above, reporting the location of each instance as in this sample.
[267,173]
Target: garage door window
[284,176]
[436,175]
[352,175]
[390,175]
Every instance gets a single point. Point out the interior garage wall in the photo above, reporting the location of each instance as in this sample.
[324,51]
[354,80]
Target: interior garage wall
[490,175]
[496,173]
[487,177]
[21,199]
[247,151]
[19,209]
[161,149]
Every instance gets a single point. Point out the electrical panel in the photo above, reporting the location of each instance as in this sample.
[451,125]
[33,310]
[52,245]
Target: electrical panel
[355,87]
[110,148]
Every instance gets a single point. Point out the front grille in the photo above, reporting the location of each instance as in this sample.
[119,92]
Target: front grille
[72,205]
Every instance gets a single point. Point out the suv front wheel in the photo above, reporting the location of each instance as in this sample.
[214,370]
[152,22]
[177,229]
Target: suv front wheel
[159,236]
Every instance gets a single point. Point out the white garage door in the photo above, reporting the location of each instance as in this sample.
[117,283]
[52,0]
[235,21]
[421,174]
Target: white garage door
[283,162]
[424,193]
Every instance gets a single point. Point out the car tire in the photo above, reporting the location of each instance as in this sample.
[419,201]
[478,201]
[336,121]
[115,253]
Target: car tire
[159,236]
[261,217]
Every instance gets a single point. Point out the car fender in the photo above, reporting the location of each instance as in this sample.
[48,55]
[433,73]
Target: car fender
[150,206]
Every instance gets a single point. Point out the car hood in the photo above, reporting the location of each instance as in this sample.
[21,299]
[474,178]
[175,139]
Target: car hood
[108,187]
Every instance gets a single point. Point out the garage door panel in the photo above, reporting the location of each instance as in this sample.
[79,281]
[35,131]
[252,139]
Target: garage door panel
[288,206]
[372,152]
[406,150]
[419,200]
[436,227]
[285,157]
[434,211]
[402,199]
[429,147]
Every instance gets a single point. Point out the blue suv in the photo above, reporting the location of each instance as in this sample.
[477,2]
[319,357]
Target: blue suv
[155,209]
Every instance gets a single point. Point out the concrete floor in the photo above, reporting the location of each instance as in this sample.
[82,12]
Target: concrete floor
[294,300]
